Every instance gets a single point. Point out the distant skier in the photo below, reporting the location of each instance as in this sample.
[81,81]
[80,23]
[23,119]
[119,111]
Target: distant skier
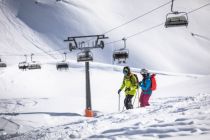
[145,85]
[130,84]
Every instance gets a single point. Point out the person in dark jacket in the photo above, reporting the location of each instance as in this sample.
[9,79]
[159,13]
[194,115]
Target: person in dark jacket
[145,85]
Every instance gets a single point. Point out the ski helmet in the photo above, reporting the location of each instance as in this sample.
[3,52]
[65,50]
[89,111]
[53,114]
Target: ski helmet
[144,71]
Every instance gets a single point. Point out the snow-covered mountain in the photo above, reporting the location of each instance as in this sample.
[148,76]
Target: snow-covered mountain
[29,26]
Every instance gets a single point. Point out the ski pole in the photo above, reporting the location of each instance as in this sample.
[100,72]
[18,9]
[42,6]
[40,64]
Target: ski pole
[119,102]
[138,99]
[134,99]
[123,108]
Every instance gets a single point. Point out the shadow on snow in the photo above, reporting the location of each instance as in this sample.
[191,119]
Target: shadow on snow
[48,113]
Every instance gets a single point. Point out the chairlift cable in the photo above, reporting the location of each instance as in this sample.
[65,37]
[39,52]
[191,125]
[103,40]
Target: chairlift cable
[113,42]
[138,33]
[55,50]
[143,31]
[136,18]
[198,8]
[148,29]
[123,24]
[8,55]
[158,25]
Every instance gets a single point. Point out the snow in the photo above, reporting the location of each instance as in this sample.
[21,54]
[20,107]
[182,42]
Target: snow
[50,104]
[48,110]
[172,49]
[165,118]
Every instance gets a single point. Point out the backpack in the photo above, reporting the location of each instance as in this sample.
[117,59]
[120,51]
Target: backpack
[137,79]
[153,82]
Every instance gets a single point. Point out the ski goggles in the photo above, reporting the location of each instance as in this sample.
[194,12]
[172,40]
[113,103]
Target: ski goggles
[125,71]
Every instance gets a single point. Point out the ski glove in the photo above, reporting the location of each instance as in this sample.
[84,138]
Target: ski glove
[140,83]
[119,91]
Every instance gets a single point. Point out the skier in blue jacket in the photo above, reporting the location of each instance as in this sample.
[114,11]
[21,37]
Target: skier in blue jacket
[145,85]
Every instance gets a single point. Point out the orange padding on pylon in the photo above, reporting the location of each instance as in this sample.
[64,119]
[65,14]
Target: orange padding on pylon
[89,113]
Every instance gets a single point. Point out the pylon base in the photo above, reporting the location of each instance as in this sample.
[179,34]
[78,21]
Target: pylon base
[89,113]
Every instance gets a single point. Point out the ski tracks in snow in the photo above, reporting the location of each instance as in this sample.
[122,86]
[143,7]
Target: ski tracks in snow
[8,111]
[165,118]
[168,117]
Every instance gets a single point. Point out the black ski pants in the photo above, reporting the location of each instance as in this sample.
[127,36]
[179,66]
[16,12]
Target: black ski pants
[128,102]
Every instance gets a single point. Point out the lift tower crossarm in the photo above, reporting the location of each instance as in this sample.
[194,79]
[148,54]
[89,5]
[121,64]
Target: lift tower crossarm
[76,47]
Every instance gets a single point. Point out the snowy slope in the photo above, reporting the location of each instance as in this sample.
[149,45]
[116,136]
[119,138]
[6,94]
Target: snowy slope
[49,104]
[17,38]
[166,118]
[47,23]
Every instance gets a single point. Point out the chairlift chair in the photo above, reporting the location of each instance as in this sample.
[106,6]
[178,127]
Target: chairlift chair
[2,64]
[34,65]
[121,55]
[175,18]
[63,64]
[71,46]
[85,56]
[101,44]
[23,65]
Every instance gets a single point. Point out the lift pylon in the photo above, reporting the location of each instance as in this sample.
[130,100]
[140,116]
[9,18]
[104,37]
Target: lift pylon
[85,55]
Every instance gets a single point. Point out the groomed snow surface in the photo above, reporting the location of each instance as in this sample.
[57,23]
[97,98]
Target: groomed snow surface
[180,107]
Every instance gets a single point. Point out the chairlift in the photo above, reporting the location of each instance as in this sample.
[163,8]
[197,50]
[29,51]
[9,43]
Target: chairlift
[71,46]
[85,56]
[175,18]
[175,21]
[24,64]
[2,64]
[101,44]
[121,54]
[33,64]
[63,64]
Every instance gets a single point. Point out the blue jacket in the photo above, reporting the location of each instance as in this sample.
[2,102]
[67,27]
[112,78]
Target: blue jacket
[145,85]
